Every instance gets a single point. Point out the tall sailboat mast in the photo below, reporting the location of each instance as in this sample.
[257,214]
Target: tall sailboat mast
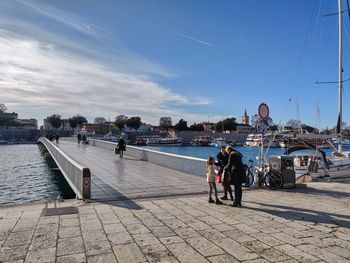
[340,90]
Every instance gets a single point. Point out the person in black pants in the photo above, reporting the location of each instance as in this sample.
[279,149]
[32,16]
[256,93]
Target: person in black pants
[235,167]
[222,162]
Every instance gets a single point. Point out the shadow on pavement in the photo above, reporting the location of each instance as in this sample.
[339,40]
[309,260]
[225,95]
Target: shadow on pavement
[293,213]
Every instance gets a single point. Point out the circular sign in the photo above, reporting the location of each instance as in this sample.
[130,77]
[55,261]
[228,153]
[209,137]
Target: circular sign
[263,111]
[262,126]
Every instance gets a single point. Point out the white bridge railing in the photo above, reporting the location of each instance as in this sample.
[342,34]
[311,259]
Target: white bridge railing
[77,176]
[195,166]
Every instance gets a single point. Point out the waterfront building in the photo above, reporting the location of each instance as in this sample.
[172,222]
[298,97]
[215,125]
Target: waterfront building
[244,128]
[207,126]
[245,118]
[30,124]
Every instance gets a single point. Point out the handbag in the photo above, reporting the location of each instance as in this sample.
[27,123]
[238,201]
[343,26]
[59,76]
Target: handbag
[218,179]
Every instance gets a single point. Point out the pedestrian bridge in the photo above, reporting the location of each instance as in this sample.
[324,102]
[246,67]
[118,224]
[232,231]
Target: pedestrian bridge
[141,173]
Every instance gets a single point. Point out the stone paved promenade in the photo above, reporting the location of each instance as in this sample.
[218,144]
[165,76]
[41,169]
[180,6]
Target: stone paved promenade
[301,225]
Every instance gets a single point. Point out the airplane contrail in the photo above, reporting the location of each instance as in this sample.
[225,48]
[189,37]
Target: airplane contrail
[166,30]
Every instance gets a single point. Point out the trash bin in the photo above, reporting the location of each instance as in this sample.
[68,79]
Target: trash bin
[284,164]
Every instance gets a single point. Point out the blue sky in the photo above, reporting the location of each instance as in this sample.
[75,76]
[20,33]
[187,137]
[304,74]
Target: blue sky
[196,60]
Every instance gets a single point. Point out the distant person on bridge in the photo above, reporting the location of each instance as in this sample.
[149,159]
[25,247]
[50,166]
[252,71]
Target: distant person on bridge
[210,172]
[121,146]
[79,137]
[235,168]
[222,161]
[57,136]
[84,139]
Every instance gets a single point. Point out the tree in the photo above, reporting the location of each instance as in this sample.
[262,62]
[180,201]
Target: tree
[77,120]
[3,115]
[181,125]
[295,124]
[120,121]
[228,124]
[134,122]
[196,127]
[99,120]
[165,122]
[54,120]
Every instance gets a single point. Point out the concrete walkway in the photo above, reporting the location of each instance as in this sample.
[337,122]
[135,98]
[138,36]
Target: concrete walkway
[115,179]
[301,225]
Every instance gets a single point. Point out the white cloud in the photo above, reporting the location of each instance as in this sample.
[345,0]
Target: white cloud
[44,73]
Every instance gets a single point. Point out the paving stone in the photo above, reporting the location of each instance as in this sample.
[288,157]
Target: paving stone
[13,253]
[287,238]
[340,251]
[90,225]
[25,225]
[114,228]
[119,238]
[145,239]
[41,255]
[73,231]
[19,238]
[185,253]
[152,222]
[186,233]
[161,257]
[43,241]
[239,236]
[297,254]
[268,239]
[171,240]
[225,258]
[70,246]
[69,222]
[104,258]
[235,249]
[97,247]
[73,258]
[273,255]
[204,246]
[137,229]
[149,249]
[94,235]
[46,228]
[322,254]
[49,220]
[162,231]
[127,253]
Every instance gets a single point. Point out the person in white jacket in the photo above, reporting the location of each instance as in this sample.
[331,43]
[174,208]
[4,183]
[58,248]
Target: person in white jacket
[210,170]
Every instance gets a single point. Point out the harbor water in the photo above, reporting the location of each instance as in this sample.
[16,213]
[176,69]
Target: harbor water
[25,176]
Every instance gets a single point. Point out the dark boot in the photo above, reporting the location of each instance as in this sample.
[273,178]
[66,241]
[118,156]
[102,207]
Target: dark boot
[224,197]
[218,202]
[211,200]
[235,204]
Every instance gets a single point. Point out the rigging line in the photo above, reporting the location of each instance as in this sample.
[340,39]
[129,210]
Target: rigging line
[337,13]
[347,4]
[331,82]
[304,46]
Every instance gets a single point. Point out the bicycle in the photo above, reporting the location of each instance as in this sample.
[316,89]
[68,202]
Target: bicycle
[271,179]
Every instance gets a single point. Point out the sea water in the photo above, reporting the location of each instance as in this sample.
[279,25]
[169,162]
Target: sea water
[25,176]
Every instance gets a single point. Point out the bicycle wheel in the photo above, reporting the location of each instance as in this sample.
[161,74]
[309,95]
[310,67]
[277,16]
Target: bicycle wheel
[273,180]
[249,180]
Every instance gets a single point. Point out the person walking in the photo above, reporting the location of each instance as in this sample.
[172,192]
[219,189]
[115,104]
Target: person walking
[222,162]
[121,146]
[84,139]
[79,138]
[57,136]
[235,167]
[210,171]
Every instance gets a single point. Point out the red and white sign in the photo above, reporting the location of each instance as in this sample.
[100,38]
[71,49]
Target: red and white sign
[86,182]
[263,111]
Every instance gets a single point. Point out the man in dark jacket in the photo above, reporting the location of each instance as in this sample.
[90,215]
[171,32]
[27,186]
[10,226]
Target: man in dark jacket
[121,146]
[235,167]
[222,161]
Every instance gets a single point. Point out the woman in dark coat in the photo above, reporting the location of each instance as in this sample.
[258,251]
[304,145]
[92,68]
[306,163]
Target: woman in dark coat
[222,161]
[235,167]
